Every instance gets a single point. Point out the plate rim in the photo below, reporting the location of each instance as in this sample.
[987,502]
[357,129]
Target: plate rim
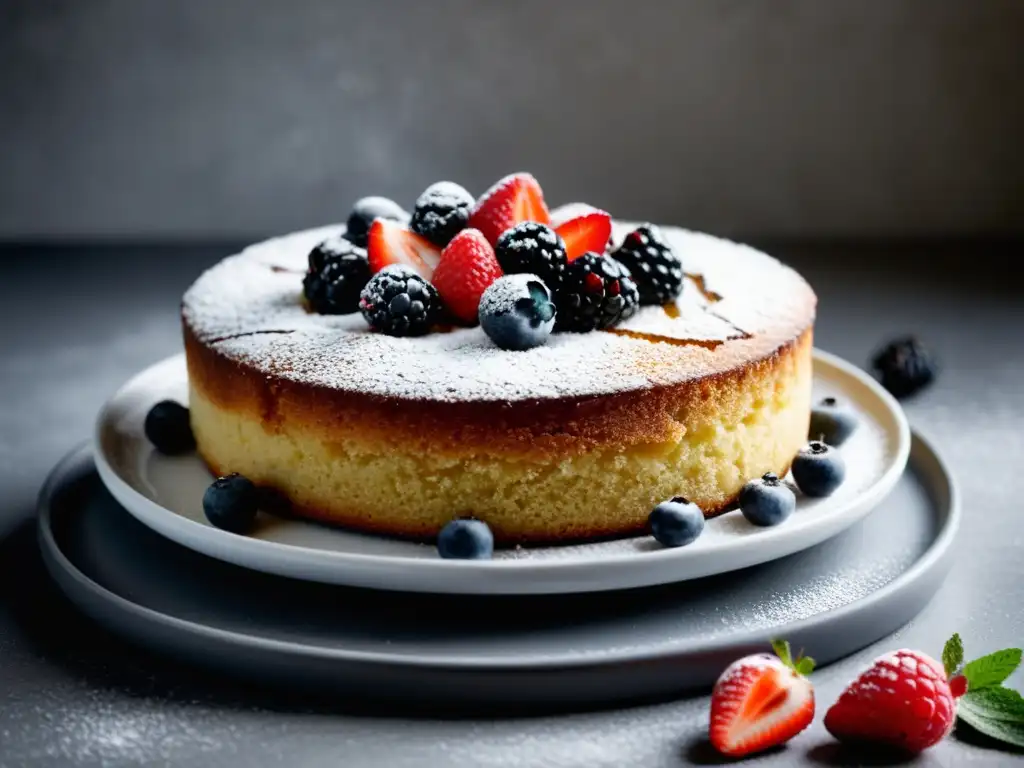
[422,574]
[83,590]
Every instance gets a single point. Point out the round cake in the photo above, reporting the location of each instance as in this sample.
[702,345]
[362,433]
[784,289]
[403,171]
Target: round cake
[572,440]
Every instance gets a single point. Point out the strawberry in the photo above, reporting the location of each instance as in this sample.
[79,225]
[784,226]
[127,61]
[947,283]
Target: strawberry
[467,268]
[761,701]
[587,232]
[512,200]
[389,242]
[905,699]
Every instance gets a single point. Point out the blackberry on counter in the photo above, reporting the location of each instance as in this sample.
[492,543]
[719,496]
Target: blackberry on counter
[338,270]
[534,249]
[398,302]
[905,366]
[441,212]
[365,210]
[596,292]
[656,269]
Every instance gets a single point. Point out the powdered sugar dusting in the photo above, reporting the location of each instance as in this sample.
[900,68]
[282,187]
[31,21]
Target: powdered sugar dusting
[249,307]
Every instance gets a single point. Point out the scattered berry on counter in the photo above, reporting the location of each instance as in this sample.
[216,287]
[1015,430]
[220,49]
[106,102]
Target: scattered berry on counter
[767,501]
[655,267]
[761,701]
[818,469]
[832,422]
[533,249]
[399,302]
[168,428]
[905,366]
[465,540]
[467,268]
[338,270]
[517,312]
[596,292]
[365,211]
[390,243]
[676,522]
[441,212]
[512,200]
[231,503]
[589,231]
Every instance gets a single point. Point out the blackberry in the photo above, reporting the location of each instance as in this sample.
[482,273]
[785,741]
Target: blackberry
[905,366]
[365,210]
[398,302]
[338,270]
[533,249]
[656,270]
[441,212]
[596,292]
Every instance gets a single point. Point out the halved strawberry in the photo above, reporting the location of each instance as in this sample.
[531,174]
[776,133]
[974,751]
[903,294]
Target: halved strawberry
[468,267]
[587,232]
[389,242]
[512,200]
[761,701]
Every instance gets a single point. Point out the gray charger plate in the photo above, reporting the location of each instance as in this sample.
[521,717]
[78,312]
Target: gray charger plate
[508,651]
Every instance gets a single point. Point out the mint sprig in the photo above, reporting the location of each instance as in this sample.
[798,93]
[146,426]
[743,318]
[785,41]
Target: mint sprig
[988,706]
[992,669]
[953,655]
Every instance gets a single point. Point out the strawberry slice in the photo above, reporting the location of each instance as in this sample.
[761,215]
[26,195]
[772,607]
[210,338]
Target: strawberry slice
[512,200]
[389,242]
[468,267]
[761,701]
[587,232]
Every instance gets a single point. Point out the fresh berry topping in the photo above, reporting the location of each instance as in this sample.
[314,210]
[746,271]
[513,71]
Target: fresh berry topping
[167,427]
[656,269]
[512,200]
[365,211]
[398,302]
[902,700]
[466,269]
[338,270]
[230,503]
[767,501]
[905,366]
[441,212]
[517,312]
[818,469]
[533,249]
[676,523]
[390,243]
[761,701]
[589,232]
[832,422]
[465,540]
[596,292]
[958,686]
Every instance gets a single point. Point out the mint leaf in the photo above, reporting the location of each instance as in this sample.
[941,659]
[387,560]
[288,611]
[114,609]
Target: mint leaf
[990,670]
[1003,704]
[805,665]
[781,648]
[953,655]
[1008,732]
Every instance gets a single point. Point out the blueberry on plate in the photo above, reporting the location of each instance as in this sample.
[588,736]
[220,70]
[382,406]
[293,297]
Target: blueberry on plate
[441,212]
[676,522]
[465,539]
[167,427]
[905,366]
[832,422]
[517,312]
[365,210]
[231,502]
[767,501]
[818,469]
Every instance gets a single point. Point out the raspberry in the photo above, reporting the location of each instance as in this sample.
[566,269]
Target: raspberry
[467,268]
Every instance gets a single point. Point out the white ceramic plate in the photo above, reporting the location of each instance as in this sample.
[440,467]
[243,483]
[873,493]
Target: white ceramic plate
[165,493]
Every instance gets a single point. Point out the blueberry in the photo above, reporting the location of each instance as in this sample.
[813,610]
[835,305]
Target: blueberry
[818,469]
[230,503]
[465,540]
[167,427]
[832,422]
[767,501]
[365,211]
[677,522]
[517,312]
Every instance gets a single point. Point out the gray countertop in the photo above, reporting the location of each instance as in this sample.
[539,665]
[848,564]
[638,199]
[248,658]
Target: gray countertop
[76,322]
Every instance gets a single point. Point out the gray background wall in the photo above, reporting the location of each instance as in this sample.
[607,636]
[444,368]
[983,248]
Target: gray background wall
[782,118]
